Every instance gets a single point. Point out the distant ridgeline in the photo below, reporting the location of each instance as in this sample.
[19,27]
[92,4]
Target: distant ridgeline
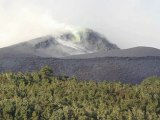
[42,96]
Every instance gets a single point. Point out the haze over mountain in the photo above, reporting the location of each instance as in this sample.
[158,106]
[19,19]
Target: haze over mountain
[79,41]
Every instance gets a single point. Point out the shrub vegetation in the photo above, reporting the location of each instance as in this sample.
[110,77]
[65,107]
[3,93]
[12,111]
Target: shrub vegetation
[42,96]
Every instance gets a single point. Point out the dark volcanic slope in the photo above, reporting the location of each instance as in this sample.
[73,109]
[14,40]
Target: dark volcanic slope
[125,69]
[132,52]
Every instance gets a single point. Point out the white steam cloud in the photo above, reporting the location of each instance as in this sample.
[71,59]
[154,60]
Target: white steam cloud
[25,23]
[127,23]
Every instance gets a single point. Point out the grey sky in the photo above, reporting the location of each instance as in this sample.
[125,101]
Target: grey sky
[127,23]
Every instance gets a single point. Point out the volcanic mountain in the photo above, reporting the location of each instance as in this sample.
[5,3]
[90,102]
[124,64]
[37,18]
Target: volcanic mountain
[79,41]
[85,54]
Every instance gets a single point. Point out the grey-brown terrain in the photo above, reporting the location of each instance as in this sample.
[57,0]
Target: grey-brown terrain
[93,57]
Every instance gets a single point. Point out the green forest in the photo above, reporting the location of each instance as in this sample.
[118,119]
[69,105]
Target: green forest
[41,95]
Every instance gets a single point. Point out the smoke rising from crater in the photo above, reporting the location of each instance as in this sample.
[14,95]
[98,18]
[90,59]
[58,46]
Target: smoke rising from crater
[128,23]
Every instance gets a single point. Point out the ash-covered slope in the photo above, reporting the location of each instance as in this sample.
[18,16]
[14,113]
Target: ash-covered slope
[124,69]
[129,66]
[131,52]
[63,44]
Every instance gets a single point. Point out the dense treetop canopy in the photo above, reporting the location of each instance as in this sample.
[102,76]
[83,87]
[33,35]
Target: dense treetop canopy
[42,96]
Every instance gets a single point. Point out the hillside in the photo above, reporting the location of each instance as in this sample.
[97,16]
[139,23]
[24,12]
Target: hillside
[124,69]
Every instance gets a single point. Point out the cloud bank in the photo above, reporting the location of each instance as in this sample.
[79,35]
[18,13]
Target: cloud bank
[127,23]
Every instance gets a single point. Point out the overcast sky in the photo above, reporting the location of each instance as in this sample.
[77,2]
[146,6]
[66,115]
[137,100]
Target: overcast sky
[127,23]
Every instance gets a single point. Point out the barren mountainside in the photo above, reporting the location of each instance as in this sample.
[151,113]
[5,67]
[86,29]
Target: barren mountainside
[85,54]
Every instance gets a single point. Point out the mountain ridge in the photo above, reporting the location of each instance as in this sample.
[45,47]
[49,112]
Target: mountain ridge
[140,51]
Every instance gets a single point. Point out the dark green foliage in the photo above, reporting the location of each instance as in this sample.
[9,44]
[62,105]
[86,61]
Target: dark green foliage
[63,78]
[151,81]
[46,71]
[41,96]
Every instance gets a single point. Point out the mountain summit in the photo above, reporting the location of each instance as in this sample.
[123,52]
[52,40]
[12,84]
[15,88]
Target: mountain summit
[62,44]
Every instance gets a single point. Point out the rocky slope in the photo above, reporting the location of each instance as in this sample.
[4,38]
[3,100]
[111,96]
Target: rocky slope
[124,69]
